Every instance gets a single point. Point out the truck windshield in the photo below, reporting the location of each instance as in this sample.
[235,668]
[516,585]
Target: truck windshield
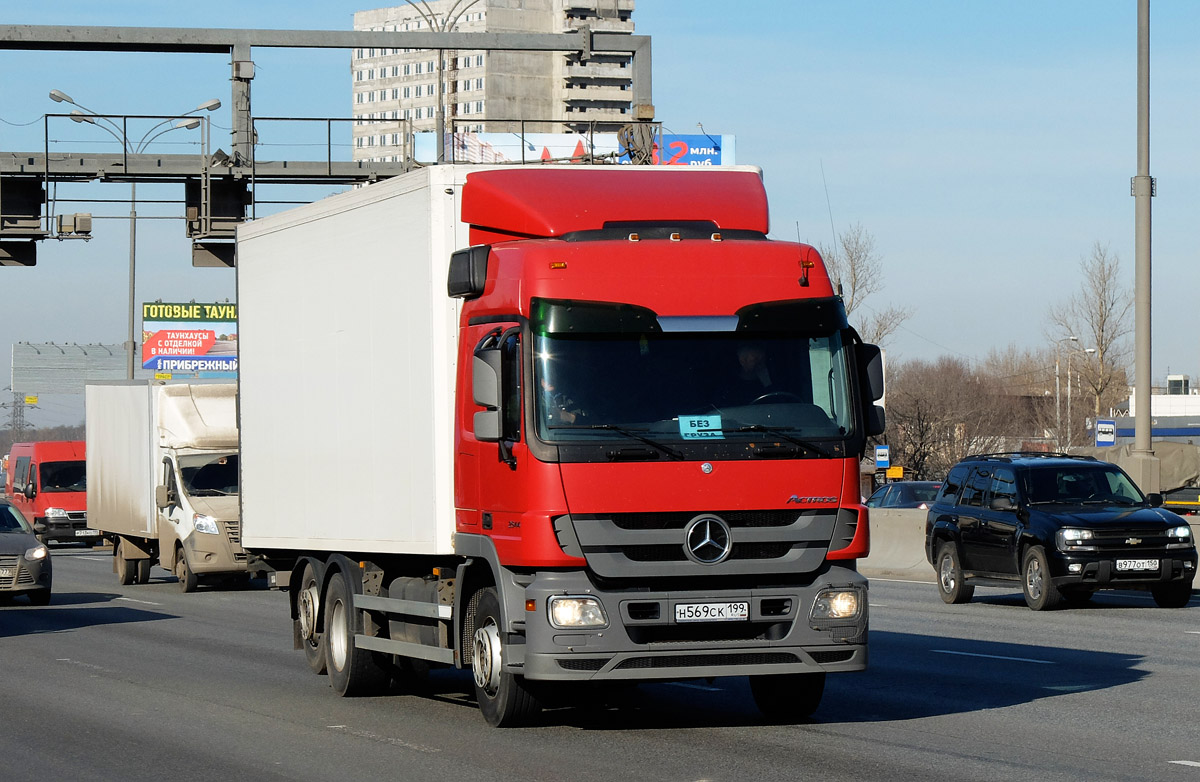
[607,371]
[63,476]
[209,475]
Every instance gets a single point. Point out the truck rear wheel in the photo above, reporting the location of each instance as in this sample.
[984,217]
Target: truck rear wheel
[126,569]
[352,671]
[308,604]
[503,698]
[143,570]
[789,696]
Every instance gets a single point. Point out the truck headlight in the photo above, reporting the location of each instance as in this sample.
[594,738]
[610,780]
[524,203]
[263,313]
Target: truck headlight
[56,513]
[574,612]
[205,524]
[36,553]
[1071,539]
[837,604]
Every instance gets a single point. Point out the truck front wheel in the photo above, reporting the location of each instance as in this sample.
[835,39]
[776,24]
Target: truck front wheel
[352,671]
[788,696]
[187,577]
[503,697]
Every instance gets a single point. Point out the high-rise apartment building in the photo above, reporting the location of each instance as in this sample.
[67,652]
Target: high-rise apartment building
[396,93]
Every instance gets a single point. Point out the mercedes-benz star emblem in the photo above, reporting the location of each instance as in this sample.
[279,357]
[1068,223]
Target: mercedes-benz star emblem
[707,540]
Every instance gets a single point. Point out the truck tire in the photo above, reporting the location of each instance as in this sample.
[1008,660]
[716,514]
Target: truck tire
[503,697]
[789,696]
[952,587]
[308,603]
[1175,595]
[352,671]
[143,570]
[1040,592]
[187,577]
[126,569]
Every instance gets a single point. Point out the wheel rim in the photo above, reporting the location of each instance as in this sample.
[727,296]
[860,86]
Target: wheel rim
[946,574]
[339,642]
[1033,578]
[181,571]
[485,661]
[308,611]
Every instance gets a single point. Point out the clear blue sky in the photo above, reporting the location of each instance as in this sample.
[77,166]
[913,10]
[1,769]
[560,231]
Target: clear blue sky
[985,145]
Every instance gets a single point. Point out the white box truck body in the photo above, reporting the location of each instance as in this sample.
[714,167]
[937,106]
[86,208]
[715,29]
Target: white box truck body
[165,457]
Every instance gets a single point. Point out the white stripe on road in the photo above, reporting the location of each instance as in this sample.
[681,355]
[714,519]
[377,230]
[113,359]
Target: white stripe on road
[95,559]
[143,602]
[1191,632]
[1185,763]
[995,657]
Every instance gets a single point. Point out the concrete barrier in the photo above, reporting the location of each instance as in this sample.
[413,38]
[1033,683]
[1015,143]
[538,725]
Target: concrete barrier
[897,545]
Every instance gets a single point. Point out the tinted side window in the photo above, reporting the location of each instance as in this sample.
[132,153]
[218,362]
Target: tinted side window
[1004,484]
[21,474]
[954,482]
[976,488]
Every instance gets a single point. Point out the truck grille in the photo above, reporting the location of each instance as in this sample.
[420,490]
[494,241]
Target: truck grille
[654,545]
[233,529]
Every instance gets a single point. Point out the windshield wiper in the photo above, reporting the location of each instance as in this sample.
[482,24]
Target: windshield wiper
[784,434]
[632,434]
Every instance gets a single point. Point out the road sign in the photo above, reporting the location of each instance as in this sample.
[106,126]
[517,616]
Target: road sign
[882,459]
[1106,433]
[895,472]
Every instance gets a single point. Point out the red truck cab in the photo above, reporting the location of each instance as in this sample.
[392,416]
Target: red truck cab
[47,481]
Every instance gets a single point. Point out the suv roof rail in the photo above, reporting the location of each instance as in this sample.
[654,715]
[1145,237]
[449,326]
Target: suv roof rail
[1008,456]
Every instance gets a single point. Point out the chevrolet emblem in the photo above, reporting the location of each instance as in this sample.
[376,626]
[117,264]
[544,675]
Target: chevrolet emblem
[1132,541]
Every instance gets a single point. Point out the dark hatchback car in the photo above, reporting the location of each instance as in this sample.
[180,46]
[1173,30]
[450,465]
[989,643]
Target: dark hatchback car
[1061,526]
[905,494]
[24,560]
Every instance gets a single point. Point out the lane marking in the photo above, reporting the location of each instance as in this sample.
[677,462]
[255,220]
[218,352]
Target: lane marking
[365,734]
[691,686]
[1191,632]
[94,559]
[143,602]
[995,657]
[1185,763]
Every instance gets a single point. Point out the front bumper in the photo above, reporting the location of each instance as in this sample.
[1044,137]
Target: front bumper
[643,641]
[67,530]
[18,574]
[1100,571]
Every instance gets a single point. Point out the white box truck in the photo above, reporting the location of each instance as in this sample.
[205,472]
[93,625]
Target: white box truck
[559,425]
[165,480]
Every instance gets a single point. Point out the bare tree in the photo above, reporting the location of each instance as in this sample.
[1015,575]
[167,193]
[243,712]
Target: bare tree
[939,412]
[856,271]
[1099,315]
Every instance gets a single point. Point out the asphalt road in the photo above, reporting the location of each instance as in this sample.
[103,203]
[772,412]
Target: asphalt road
[143,682]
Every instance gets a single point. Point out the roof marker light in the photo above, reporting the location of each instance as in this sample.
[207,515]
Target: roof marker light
[634,237]
[675,236]
[716,237]
[554,265]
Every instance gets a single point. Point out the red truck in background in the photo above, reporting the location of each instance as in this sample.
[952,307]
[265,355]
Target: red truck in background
[585,424]
[47,481]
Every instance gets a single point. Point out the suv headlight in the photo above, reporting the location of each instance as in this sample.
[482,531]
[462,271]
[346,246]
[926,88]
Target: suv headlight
[36,553]
[1181,536]
[567,612]
[1070,539]
[205,524]
[56,513]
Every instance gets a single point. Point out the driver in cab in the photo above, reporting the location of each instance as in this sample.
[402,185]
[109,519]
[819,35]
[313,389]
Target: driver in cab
[753,378]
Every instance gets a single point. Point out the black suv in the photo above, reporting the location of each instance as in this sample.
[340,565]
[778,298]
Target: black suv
[1063,526]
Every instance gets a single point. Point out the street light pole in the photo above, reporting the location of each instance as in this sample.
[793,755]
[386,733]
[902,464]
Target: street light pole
[1057,394]
[1070,420]
[131,147]
[443,24]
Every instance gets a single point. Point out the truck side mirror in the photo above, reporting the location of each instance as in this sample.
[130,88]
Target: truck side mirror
[870,363]
[876,422]
[485,386]
[162,497]
[29,491]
